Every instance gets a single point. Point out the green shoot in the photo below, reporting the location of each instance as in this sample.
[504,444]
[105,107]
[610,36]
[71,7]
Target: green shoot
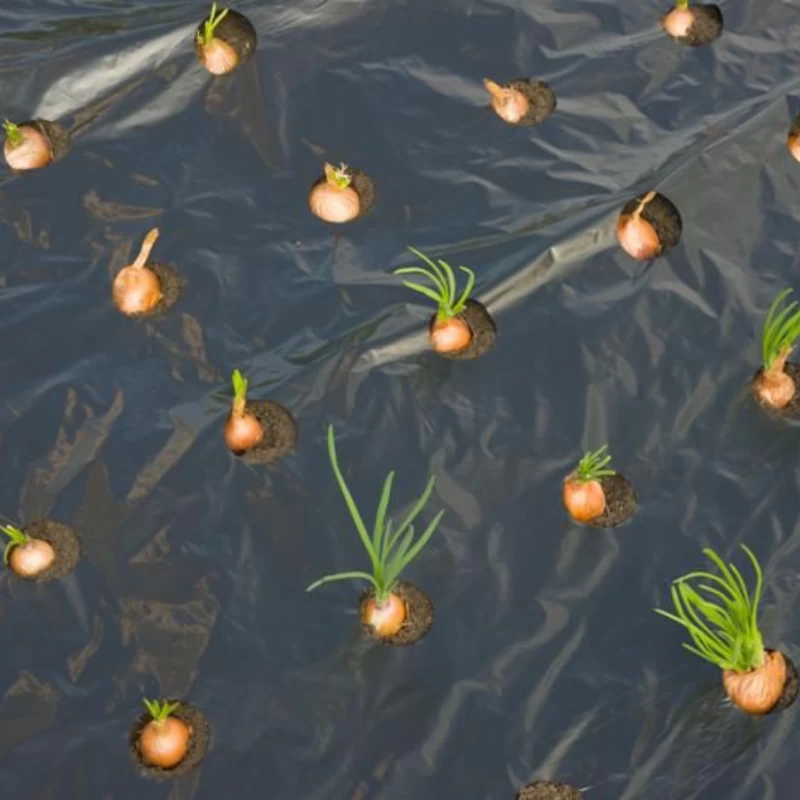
[723,625]
[781,329]
[444,281]
[681,3]
[13,133]
[159,711]
[210,25]
[339,176]
[16,536]
[390,549]
[240,384]
[593,465]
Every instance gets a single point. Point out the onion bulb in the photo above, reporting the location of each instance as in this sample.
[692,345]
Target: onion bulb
[450,335]
[774,387]
[26,147]
[335,199]
[218,57]
[387,618]
[678,22]
[31,558]
[636,235]
[584,500]
[137,289]
[793,144]
[243,431]
[758,691]
[164,743]
[510,104]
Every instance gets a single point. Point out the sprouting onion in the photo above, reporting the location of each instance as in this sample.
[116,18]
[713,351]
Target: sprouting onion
[774,387]
[205,36]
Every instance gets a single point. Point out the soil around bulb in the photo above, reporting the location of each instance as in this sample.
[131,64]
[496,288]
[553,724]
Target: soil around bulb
[199,742]
[791,687]
[792,411]
[172,285]
[548,790]
[364,187]
[237,31]
[707,25]
[483,327]
[419,615]
[65,544]
[280,432]
[620,502]
[57,136]
[662,214]
[541,100]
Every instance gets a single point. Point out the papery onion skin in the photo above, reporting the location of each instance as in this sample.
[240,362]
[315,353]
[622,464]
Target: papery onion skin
[450,335]
[243,432]
[218,57]
[33,152]
[509,103]
[387,619]
[164,743]
[757,692]
[31,558]
[333,204]
[638,238]
[678,22]
[584,500]
[775,389]
[136,290]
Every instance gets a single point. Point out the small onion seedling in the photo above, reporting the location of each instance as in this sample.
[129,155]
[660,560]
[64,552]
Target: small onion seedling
[521,102]
[597,495]
[137,289]
[34,144]
[164,741]
[335,199]
[224,40]
[243,431]
[721,617]
[393,611]
[773,386]
[693,25]
[461,327]
[548,790]
[648,226]
[26,556]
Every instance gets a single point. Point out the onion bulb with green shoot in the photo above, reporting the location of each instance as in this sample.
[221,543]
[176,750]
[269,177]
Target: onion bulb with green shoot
[224,40]
[335,199]
[137,289]
[26,556]
[449,331]
[164,741]
[583,492]
[695,24]
[26,147]
[721,617]
[243,431]
[390,550]
[772,386]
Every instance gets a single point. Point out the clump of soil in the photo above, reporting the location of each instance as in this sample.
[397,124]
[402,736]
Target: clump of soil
[419,616]
[199,743]
[483,327]
[620,502]
[793,409]
[548,790]
[706,27]
[65,544]
[280,432]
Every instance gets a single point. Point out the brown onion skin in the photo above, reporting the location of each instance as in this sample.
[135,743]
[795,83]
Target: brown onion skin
[32,558]
[584,500]
[33,152]
[678,22]
[332,204]
[508,103]
[636,235]
[164,744]
[793,143]
[385,620]
[136,290]
[773,386]
[242,432]
[450,335]
[218,57]
[757,692]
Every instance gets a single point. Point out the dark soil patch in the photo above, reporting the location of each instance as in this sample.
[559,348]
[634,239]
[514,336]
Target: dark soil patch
[541,100]
[199,742]
[707,25]
[237,31]
[172,285]
[662,214]
[65,544]
[620,502]
[56,135]
[793,409]
[790,688]
[548,790]
[280,432]
[484,331]
[364,187]
[419,615]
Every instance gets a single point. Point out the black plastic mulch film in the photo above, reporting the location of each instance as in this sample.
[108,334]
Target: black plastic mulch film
[545,659]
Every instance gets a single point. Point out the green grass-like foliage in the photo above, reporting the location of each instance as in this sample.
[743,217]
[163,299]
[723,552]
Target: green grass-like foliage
[390,549]
[443,278]
[240,384]
[210,25]
[723,623]
[13,133]
[781,328]
[593,465]
[159,711]
[16,537]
